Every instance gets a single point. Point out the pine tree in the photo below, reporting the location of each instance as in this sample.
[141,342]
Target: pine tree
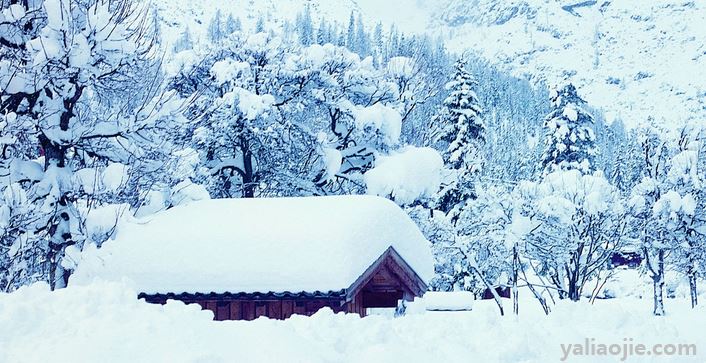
[350,35]
[378,41]
[341,42]
[401,46]
[306,27]
[393,44]
[215,28]
[156,25]
[459,120]
[232,25]
[322,33]
[362,40]
[461,128]
[184,42]
[569,139]
[260,25]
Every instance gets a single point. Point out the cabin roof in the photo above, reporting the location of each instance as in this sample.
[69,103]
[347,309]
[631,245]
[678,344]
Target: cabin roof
[319,245]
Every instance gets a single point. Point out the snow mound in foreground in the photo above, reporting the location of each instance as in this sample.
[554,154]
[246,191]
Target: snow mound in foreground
[104,322]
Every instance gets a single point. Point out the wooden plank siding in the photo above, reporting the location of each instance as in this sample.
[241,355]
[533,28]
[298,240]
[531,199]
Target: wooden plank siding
[222,310]
[274,309]
[248,310]
[299,307]
[287,308]
[235,310]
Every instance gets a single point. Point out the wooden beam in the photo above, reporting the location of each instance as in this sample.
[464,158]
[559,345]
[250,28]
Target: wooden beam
[391,259]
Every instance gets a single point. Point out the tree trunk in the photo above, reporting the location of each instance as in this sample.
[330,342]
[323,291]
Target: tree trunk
[658,284]
[574,292]
[496,297]
[249,177]
[248,172]
[515,294]
[58,224]
[692,289]
[536,294]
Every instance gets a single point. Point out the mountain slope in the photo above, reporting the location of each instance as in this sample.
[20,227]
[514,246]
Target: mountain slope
[643,62]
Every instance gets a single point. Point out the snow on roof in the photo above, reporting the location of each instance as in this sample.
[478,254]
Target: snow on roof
[258,245]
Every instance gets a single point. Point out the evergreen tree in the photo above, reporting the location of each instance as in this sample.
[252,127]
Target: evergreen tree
[215,28]
[232,25]
[362,40]
[378,42]
[322,33]
[569,136]
[184,41]
[305,27]
[459,119]
[393,44]
[401,45]
[156,25]
[461,128]
[378,36]
[260,25]
[341,41]
[350,35]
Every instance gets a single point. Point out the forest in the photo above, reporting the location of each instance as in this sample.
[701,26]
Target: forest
[518,183]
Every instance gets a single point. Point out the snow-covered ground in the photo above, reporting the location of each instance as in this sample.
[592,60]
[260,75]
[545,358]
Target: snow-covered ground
[104,322]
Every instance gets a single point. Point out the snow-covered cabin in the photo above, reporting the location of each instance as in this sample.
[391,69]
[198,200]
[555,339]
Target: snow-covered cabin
[245,258]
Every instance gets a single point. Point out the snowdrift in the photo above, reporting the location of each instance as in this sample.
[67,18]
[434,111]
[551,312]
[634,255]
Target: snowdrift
[104,322]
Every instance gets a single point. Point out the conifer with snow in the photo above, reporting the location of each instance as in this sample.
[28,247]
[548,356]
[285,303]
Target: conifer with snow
[215,28]
[461,130]
[184,41]
[569,136]
[232,25]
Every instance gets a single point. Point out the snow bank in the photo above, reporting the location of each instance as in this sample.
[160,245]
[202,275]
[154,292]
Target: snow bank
[411,174]
[258,245]
[442,301]
[187,191]
[104,322]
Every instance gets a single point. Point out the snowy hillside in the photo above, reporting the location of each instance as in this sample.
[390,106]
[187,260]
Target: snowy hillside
[618,53]
[411,16]
[637,60]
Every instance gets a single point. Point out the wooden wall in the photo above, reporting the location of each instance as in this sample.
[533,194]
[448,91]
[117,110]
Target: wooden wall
[275,309]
